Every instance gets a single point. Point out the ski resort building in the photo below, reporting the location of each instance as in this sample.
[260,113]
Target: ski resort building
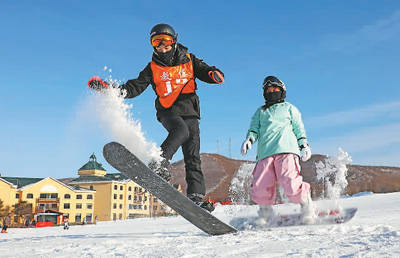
[118,197]
[47,200]
[93,196]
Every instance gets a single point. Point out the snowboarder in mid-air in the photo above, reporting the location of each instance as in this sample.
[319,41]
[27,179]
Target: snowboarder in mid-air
[279,129]
[172,73]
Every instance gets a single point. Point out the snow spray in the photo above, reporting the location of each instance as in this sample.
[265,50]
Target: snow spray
[333,174]
[115,117]
[239,190]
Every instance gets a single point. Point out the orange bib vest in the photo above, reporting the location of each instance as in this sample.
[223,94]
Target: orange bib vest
[172,81]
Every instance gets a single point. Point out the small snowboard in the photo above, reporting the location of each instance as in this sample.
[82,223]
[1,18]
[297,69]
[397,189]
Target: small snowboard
[285,220]
[129,165]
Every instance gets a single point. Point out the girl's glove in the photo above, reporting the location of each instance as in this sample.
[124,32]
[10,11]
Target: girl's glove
[246,145]
[305,152]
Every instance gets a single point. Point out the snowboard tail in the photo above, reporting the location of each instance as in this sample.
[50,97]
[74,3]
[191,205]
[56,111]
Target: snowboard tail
[129,165]
[286,220]
[331,217]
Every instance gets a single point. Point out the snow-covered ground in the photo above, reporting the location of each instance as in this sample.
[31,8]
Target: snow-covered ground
[374,232]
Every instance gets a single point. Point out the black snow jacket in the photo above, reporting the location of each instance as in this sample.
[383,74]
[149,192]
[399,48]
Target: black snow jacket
[186,105]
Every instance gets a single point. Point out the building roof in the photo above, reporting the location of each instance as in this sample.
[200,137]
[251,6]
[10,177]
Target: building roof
[105,178]
[21,181]
[92,164]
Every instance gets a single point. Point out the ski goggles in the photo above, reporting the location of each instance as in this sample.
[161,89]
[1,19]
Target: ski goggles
[167,40]
[274,82]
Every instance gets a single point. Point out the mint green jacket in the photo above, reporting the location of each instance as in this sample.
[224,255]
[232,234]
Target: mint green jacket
[278,129]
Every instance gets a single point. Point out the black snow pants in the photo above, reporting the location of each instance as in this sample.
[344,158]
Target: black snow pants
[184,132]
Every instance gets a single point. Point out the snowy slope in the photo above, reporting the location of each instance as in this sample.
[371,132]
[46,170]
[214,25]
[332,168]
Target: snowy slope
[374,232]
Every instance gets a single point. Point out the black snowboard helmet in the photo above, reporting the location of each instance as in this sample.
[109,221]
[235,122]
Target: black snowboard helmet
[163,29]
[273,97]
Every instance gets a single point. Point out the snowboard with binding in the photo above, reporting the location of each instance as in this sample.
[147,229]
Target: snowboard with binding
[285,220]
[129,165]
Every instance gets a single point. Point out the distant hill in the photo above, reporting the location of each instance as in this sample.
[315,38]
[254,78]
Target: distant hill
[219,171]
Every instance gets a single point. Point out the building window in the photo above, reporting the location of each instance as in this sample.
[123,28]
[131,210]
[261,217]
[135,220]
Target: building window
[89,206]
[145,198]
[66,215]
[120,216]
[67,196]
[17,196]
[78,217]
[120,206]
[29,196]
[91,187]
[140,198]
[136,189]
[114,216]
[48,196]
[79,196]
[129,197]
[135,198]
[121,188]
[145,207]
[121,197]
[155,208]
[129,188]
[115,187]
[114,206]
[79,205]
[115,196]
[66,205]
[155,199]
[90,197]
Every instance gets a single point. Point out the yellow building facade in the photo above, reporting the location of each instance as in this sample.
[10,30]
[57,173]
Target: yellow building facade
[93,196]
[50,194]
[50,200]
[118,197]
[8,192]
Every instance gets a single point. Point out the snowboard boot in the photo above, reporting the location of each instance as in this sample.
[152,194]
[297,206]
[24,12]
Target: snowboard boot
[198,200]
[308,210]
[265,214]
[161,169]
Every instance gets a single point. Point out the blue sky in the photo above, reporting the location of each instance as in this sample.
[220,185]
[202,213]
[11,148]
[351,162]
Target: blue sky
[339,60]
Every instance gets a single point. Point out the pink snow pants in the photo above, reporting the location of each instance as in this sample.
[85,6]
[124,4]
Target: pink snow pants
[283,169]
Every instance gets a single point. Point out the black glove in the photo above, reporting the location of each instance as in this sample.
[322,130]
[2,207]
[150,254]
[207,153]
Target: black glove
[96,83]
[217,76]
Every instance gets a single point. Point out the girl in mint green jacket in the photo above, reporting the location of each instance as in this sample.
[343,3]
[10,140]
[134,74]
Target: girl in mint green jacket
[279,130]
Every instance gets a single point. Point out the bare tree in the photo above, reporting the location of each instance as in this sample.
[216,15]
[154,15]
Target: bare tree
[22,208]
[4,210]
